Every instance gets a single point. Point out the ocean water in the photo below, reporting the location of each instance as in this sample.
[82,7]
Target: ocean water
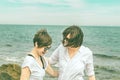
[16,41]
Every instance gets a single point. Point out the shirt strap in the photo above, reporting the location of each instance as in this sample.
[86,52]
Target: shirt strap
[41,58]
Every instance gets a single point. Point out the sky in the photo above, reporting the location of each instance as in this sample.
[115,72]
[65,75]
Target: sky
[60,12]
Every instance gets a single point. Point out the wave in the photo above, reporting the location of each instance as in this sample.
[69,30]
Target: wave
[11,59]
[107,56]
[8,45]
[107,68]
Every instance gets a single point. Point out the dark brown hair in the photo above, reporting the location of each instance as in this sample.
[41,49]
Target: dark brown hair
[76,36]
[42,38]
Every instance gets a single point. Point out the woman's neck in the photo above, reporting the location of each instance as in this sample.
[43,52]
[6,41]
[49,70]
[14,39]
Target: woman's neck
[34,53]
[72,51]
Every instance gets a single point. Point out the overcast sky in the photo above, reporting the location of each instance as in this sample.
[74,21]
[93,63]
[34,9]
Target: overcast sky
[60,12]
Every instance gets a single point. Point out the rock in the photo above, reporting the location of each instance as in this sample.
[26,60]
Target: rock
[10,72]
[5,76]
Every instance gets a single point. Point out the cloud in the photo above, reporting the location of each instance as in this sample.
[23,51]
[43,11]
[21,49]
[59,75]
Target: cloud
[40,18]
[59,12]
[12,1]
[55,3]
[76,3]
[37,1]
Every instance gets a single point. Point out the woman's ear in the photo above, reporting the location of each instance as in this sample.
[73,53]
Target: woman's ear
[36,44]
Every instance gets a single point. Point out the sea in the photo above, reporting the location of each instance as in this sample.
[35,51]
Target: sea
[104,41]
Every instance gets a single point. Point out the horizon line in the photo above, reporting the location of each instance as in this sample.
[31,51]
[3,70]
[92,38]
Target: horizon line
[62,25]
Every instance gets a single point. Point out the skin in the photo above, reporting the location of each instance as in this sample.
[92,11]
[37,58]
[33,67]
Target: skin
[72,53]
[37,52]
[91,78]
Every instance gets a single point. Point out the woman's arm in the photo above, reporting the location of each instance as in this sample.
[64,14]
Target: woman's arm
[51,72]
[25,73]
[91,77]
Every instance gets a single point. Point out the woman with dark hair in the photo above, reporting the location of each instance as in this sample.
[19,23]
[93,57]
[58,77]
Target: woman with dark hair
[35,64]
[73,58]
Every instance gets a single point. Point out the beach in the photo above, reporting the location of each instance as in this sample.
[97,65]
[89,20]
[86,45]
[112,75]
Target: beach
[16,42]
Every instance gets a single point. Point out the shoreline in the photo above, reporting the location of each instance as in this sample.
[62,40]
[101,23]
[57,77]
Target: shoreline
[13,71]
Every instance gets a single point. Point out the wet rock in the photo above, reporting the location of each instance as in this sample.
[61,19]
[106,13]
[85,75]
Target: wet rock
[10,72]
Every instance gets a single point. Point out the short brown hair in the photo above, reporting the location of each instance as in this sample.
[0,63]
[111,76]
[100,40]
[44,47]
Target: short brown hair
[42,38]
[76,36]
